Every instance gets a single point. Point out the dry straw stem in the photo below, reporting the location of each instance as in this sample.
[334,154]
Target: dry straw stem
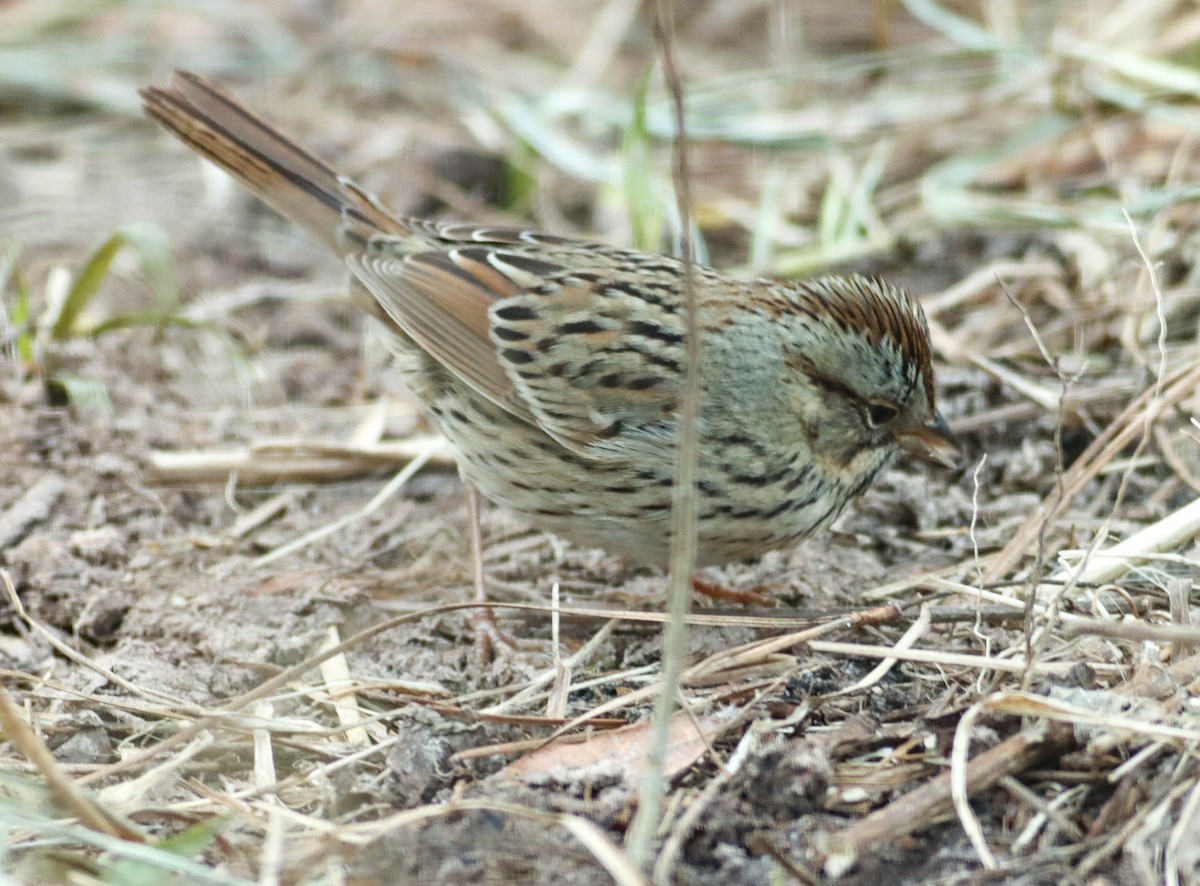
[1072,624]
[377,501]
[685,824]
[982,280]
[264,751]
[225,717]
[1120,433]
[1167,446]
[683,500]
[919,808]
[1018,753]
[1104,717]
[75,799]
[200,720]
[910,637]
[1137,819]
[65,650]
[534,690]
[730,665]
[755,659]
[335,671]
[1167,534]
[293,461]
[730,670]
[1099,718]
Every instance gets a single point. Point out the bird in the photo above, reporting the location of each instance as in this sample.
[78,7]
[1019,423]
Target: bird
[555,365]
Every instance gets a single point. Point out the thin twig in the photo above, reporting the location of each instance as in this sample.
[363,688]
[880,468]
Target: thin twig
[683,511]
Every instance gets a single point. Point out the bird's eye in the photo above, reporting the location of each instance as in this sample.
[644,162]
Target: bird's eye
[881,413]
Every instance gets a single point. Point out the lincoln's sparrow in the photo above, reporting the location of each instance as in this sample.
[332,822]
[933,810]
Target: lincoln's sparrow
[555,365]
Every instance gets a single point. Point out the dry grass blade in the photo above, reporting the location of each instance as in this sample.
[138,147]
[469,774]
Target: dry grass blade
[916,809]
[69,793]
[1167,534]
[88,664]
[335,671]
[380,498]
[1124,430]
[293,461]
[684,489]
[914,632]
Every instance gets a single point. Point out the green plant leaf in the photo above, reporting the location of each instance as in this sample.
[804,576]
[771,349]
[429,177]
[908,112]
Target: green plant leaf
[18,316]
[87,395]
[195,839]
[958,28]
[641,199]
[186,844]
[20,321]
[145,318]
[153,250]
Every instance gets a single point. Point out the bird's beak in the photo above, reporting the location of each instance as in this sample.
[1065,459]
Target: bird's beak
[931,441]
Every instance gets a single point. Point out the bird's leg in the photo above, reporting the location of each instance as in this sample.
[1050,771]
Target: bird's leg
[489,637]
[720,593]
[487,632]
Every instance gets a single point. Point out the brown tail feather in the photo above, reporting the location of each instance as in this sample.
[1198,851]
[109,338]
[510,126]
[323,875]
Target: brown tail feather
[288,178]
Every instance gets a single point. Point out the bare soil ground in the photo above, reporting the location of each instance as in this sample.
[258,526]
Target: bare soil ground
[161,642]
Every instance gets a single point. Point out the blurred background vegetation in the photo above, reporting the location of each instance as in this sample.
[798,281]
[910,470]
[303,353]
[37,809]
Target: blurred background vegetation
[826,133]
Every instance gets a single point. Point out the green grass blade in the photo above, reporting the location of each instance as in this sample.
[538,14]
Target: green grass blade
[144,318]
[20,321]
[14,322]
[149,871]
[641,200]
[762,237]
[170,866]
[86,395]
[153,250]
[961,30]
[94,272]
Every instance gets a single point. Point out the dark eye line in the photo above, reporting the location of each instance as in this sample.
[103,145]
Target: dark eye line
[871,411]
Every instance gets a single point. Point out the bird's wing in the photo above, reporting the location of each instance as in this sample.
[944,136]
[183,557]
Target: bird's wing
[586,355]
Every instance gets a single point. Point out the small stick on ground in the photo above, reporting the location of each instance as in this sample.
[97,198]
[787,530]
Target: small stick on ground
[920,808]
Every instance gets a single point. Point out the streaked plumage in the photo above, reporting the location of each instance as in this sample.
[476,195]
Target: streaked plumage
[555,365]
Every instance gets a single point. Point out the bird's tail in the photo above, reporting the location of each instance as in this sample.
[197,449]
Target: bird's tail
[286,176]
